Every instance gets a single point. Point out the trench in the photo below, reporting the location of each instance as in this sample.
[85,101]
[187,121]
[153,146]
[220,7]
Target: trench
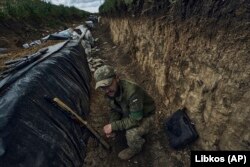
[199,62]
[156,151]
[197,59]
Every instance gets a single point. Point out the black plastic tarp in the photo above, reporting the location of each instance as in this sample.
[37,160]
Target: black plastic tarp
[34,132]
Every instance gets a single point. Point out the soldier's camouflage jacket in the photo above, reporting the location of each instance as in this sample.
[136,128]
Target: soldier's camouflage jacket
[130,106]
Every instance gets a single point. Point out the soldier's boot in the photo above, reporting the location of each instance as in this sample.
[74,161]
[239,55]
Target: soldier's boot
[127,153]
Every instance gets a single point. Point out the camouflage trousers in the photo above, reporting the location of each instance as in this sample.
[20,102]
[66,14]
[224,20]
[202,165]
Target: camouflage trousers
[134,136]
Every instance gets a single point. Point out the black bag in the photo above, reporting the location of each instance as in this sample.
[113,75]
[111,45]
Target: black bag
[180,129]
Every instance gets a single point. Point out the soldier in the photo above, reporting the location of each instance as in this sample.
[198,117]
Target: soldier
[132,109]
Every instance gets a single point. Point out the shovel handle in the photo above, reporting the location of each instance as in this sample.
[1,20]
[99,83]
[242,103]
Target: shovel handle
[92,130]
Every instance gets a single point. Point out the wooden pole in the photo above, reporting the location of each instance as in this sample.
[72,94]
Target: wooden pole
[92,130]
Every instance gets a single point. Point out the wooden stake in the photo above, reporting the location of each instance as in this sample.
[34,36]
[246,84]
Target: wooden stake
[92,130]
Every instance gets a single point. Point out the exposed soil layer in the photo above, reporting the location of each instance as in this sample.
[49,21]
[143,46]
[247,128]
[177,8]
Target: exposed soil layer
[196,55]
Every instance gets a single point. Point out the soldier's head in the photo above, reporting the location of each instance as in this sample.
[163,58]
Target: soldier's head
[107,80]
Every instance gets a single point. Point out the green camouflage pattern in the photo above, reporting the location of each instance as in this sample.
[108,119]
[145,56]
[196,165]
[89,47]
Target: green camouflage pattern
[130,107]
[104,76]
[134,137]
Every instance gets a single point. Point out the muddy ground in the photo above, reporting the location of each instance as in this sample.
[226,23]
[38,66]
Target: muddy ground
[156,152]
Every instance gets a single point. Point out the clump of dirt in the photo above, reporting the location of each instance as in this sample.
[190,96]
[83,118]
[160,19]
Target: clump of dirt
[156,151]
[4,43]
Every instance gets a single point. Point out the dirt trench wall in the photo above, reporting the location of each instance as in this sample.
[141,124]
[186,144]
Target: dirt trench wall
[200,62]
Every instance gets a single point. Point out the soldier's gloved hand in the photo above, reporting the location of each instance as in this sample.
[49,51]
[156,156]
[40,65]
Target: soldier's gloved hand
[107,129]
